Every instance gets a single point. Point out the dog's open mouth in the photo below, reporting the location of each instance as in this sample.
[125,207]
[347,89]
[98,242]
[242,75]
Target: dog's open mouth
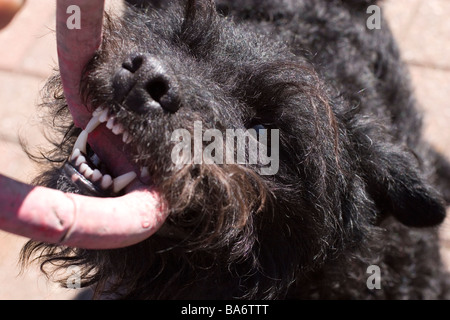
[98,165]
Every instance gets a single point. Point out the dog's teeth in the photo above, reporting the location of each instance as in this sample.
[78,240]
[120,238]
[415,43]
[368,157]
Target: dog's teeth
[110,123]
[88,173]
[94,123]
[80,161]
[96,176]
[144,173]
[83,167]
[125,136]
[97,112]
[123,181]
[107,181]
[118,129]
[81,142]
[75,154]
[103,116]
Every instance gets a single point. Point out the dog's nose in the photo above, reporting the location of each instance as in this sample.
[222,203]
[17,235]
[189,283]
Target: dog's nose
[144,82]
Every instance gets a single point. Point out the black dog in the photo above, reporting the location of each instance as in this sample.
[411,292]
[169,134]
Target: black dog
[355,185]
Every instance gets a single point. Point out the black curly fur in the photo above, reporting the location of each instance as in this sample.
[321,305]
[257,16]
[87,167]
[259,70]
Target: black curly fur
[355,183]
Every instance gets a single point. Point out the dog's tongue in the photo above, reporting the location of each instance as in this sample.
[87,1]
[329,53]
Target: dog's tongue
[52,216]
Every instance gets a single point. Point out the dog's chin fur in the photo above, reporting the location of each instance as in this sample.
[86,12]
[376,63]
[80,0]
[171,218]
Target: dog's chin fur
[355,179]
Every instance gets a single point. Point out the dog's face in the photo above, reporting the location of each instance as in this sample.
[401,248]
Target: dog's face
[180,67]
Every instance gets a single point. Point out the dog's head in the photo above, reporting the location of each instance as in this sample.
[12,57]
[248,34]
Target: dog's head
[266,171]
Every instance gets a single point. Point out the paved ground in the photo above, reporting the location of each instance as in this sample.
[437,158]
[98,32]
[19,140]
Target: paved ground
[28,54]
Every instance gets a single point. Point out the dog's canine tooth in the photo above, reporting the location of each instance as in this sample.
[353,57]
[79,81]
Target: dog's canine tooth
[107,181]
[81,142]
[93,124]
[123,181]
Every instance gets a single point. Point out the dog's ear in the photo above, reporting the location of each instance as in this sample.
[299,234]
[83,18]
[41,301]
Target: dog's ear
[398,188]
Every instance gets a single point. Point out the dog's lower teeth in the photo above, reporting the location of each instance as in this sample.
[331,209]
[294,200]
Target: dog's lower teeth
[88,173]
[96,176]
[80,160]
[123,181]
[107,182]
[75,154]
[83,168]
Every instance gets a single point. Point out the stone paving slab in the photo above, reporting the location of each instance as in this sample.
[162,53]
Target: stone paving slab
[24,32]
[428,35]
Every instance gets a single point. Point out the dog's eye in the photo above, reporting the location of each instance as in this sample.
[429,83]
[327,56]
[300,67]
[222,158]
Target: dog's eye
[258,128]
[256,125]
